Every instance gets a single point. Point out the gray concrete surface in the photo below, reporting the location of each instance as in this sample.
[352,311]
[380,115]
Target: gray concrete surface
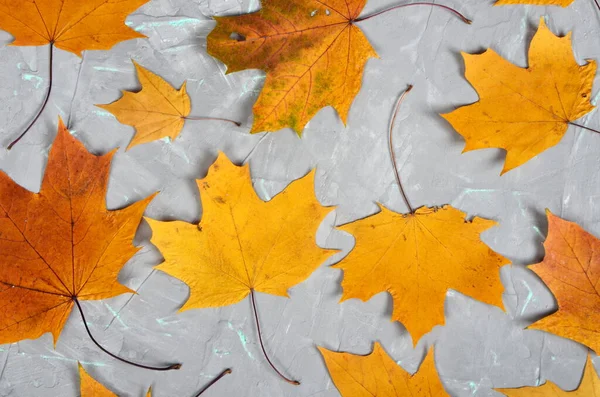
[480,347]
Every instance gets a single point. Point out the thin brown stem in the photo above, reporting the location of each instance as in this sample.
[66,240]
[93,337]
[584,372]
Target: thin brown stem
[597,4]
[391,146]
[452,10]
[293,382]
[215,380]
[170,367]
[584,127]
[44,103]
[211,118]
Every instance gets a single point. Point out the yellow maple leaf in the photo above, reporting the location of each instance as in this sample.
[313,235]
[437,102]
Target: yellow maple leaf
[589,386]
[417,258]
[312,52]
[571,269]
[377,375]
[524,110]
[242,242]
[157,111]
[72,25]
[562,3]
[90,387]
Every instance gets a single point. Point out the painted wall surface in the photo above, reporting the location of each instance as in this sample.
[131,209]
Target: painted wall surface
[479,348]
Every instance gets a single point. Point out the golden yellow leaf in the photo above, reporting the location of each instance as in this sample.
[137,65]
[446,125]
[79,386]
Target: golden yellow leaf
[377,375]
[90,387]
[62,243]
[571,269]
[417,258]
[72,25]
[312,52]
[562,3]
[524,111]
[589,386]
[157,111]
[242,242]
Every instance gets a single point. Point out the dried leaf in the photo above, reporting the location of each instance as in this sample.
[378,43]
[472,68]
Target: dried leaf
[589,386]
[571,269]
[61,243]
[524,111]
[90,387]
[242,242]
[417,258]
[377,375]
[157,111]
[562,3]
[72,25]
[311,51]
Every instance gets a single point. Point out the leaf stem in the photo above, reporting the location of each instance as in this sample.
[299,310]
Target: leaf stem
[584,127]
[215,380]
[39,113]
[391,146]
[170,367]
[452,10]
[293,382]
[597,4]
[212,118]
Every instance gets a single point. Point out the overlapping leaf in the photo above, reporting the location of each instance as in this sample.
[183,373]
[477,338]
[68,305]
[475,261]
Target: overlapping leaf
[377,375]
[417,258]
[562,3]
[72,25]
[242,243]
[571,269]
[524,110]
[62,243]
[311,51]
[157,111]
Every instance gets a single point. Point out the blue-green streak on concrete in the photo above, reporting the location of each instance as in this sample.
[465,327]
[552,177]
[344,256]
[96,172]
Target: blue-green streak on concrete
[163,322]
[174,23]
[242,337]
[221,353]
[116,315]
[252,83]
[474,387]
[102,113]
[539,232]
[73,360]
[37,80]
[595,98]
[528,299]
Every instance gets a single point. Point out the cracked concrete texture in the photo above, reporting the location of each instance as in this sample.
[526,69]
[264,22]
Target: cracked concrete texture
[479,348]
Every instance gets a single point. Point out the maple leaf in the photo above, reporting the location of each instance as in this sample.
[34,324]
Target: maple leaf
[90,387]
[377,375]
[62,244]
[312,52]
[589,386]
[417,258]
[571,269]
[71,25]
[242,244]
[524,110]
[562,3]
[157,111]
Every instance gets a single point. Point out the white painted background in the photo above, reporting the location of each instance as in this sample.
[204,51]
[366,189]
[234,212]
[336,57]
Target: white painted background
[480,347]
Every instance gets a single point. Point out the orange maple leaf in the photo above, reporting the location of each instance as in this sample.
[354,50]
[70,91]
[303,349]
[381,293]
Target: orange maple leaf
[90,387]
[589,386]
[312,52]
[71,25]
[377,375]
[417,258]
[562,3]
[525,110]
[60,244]
[571,269]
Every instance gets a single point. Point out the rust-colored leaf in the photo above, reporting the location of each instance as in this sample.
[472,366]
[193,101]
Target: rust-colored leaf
[312,52]
[571,269]
[72,25]
[62,243]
